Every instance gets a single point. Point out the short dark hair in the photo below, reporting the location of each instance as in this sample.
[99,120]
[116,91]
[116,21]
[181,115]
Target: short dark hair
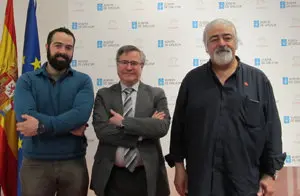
[130,48]
[60,29]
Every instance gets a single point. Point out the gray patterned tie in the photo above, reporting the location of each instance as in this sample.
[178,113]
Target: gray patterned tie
[127,106]
[130,154]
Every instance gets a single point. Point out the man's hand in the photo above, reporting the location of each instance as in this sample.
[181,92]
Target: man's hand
[180,180]
[80,131]
[159,115]
[266,186]
[29,126]
[116,119]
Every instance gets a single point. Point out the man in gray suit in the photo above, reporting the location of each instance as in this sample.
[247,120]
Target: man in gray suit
[129,119]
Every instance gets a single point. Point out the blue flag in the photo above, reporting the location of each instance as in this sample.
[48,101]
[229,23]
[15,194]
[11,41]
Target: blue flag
[31,50]
[31,61]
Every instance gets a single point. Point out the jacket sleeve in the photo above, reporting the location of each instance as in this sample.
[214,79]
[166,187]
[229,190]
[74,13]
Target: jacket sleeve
[150,128]
[105,132]
[63,123]
[177,146]
[272,158]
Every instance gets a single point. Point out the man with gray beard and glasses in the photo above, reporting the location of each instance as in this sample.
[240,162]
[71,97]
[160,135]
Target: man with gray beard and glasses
[225,125]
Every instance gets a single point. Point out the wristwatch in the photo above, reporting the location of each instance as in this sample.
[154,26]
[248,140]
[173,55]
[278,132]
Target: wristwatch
[41,128]
[121,126]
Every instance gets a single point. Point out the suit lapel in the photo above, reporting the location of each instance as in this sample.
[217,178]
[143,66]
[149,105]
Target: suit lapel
[117,99]
[141,100]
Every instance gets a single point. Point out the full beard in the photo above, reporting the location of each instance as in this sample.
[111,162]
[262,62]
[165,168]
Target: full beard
[223,56]
[57,64]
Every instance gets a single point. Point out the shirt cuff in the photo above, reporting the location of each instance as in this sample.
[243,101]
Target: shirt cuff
[172,159]
[273,164]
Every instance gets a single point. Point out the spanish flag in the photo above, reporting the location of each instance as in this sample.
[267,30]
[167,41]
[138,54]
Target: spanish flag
[8,77]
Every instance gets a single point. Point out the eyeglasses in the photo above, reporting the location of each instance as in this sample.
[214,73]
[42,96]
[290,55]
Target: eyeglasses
[132,63]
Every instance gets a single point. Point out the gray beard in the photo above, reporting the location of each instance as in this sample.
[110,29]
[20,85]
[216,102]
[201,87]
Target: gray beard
[223,58]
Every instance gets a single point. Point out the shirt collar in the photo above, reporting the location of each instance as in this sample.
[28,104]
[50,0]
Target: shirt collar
[135,86]
[43,71]
[236,71]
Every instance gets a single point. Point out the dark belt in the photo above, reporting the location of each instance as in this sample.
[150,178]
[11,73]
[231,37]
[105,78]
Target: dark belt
[138,167]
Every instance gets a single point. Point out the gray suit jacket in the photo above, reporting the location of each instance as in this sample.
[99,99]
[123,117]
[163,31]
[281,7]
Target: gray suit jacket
[149,99]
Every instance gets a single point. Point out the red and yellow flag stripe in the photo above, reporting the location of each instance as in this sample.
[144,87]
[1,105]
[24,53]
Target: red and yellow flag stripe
[8,77]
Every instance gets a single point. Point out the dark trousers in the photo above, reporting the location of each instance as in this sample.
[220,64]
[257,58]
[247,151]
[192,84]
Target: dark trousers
[124,182]
[47,178]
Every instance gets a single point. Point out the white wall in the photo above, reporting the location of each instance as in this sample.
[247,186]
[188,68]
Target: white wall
[174,23]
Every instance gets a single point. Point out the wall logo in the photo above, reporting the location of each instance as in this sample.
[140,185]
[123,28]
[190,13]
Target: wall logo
[199,24]
[138,5]
[200,5]
[160,6]
[167,5]
[290,42]
[173,62]
[141,25]
[257,61]
[265,61]
[161,81]
[293,159]
[134,25]
[296,100]
[285,80]
[107,44]
[173,24]
[111,62]
[289,4]
[160,43]
[74,25]
[229,5]
[77,6]
[263,24]
[283,42]
[295,119]
[81,63]
[291,80]
[197,62]
[112,25]
[82,25]
[149,63]
[296,61]
[291,119]
[286,119]
[262,4]
[288,159]
[107,6]
[168,82]
[79,44]
[168,43]
[262,42]
[101,82]
[295,22]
